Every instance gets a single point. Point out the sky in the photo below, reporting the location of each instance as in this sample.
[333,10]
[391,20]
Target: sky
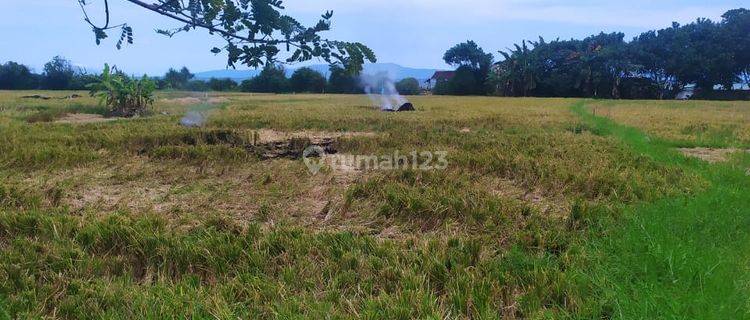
[412,33]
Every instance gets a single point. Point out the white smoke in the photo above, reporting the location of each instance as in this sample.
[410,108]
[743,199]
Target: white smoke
[382,91]
[193,119]
[199,110]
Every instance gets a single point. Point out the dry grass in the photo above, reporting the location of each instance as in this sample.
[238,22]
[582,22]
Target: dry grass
[711,155]
[78,118]
[688,123]
[167,216]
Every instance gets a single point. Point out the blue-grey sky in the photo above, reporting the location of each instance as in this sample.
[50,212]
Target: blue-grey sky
[412,33]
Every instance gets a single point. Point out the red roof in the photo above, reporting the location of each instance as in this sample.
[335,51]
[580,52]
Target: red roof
[443,75]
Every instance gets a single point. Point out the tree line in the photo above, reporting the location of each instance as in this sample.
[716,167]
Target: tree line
[60,74]
[273,79]
[656,64]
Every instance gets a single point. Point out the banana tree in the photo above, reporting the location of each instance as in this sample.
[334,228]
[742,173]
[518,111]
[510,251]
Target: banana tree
[124,96]
[517,73]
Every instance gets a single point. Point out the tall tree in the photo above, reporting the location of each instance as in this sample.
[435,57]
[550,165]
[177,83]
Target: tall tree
[605,61]
[255,31]
[701,55]
[468,54]
[58,74]
[271,80]
[472,57]
[175,79]
[653,58]
[517,75]
[593,67]
[464,82]
[15,76]
[307,80]
[736,27]
[341,81]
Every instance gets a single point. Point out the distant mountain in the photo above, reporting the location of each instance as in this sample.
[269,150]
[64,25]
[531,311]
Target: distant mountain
[395,71]
[236,75]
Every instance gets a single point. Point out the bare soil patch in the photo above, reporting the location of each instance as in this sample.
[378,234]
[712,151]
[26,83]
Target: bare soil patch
[552,205]
[239,192]
[271,144]
[322,201]
[186,101]
[710,155]
[81,118]
[267,135]
[141,186]
[183,101]
[218,100]
[130,196]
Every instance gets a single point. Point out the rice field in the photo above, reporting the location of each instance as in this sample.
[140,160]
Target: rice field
[713,124]
[539,212]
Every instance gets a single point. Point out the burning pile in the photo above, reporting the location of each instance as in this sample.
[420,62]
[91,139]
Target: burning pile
[404,107]
[382,91]
[379,88]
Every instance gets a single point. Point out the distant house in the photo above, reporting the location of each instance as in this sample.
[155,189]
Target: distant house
[741,86]
[687,92]
[740,89]
[439,76]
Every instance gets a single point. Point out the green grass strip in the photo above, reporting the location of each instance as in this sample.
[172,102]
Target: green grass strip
[3,312]
[677,258]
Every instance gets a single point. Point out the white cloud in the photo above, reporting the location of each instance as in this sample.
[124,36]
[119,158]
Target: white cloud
[636,13]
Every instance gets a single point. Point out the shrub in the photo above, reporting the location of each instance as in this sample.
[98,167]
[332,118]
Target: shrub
[124,96]
[271,80]
[308,80]
[408,86]
[82,80]
[464,83]
[639,88]
[196,85]
[442,88]
[725,95]
[342,81]
[222,84]
[177,80]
